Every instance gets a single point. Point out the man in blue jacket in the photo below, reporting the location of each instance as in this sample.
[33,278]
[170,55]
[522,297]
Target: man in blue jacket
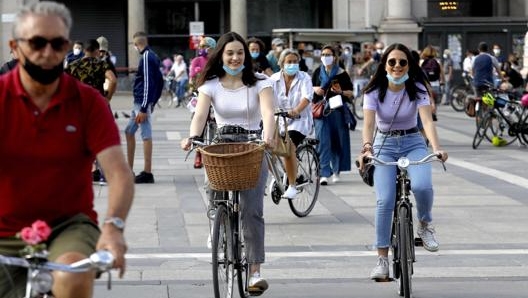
[148,85]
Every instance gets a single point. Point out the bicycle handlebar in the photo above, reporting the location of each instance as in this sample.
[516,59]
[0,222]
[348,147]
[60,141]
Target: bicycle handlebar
[285,114]
[101,260]
[404,162]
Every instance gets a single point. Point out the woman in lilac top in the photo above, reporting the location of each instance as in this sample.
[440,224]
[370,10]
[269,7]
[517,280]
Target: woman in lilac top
[399,81]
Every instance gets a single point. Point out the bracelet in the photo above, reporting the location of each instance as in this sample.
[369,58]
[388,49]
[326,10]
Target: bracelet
[367,144]
[369,149]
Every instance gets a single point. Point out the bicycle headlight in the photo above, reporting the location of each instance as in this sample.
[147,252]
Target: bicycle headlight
[41,281]
[403,162]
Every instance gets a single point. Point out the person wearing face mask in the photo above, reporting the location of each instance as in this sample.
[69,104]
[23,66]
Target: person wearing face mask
[332,130]
[241,98]
[198,63]
[347,61]
[497,52]
[293,93]
[277,45]
[260,63]
[392,99]
[53,127]
[75,53]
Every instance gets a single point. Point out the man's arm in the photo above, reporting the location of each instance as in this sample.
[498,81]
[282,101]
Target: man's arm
[111,80]
[120,197]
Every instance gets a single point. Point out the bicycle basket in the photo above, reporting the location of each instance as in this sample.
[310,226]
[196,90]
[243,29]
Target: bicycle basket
[232,166]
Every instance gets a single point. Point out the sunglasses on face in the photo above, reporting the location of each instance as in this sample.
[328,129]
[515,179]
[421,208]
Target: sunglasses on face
[38,43]
[392,62]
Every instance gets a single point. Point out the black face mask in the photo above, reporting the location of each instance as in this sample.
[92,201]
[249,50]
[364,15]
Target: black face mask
[41,75]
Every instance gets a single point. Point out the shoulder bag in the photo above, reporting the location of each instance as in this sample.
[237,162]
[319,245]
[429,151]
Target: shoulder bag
[282,143]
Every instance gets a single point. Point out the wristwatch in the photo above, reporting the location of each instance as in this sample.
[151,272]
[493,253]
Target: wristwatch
[116,221]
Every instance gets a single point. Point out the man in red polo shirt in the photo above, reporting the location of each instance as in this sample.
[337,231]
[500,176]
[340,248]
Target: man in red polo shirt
[52,128]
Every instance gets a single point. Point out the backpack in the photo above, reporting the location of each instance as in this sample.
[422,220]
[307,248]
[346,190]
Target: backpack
[432,69]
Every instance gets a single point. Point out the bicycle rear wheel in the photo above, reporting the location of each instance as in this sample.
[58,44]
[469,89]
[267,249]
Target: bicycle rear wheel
[482,128]
[458,97]
[223,268]
[307,181]
[405,251]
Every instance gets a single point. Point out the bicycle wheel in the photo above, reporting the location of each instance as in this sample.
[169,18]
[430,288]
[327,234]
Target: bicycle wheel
[165,100]
[458,96]
[307,181]
[357,107]
[523,126]
[481,131]
[406,258]
[223,269]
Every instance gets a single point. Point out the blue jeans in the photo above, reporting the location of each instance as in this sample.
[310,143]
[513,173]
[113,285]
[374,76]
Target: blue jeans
[146,127]
[334,143]
[413,146]
[180,88]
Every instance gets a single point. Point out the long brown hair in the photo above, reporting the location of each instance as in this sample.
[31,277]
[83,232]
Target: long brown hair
[214,69]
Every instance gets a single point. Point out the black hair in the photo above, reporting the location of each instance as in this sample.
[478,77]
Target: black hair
[379,79]
[91,45]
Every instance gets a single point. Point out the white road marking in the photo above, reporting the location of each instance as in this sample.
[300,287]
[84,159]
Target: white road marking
[331,254]
[505,176]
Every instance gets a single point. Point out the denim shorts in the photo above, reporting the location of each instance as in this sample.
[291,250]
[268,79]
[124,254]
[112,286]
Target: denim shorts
[146,127]
[79,234]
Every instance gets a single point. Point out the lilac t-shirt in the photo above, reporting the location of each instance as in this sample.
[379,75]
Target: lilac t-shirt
[407,114]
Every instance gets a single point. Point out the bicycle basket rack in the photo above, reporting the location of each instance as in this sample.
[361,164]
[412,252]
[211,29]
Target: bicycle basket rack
[232,166]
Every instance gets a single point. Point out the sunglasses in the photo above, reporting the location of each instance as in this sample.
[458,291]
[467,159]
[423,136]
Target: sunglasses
[38,43]
[392,62]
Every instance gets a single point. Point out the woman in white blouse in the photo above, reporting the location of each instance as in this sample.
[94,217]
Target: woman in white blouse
[241,99]
[293,93]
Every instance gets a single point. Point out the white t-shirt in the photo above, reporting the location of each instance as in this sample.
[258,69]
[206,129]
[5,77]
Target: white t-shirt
[179,68]
[231,106]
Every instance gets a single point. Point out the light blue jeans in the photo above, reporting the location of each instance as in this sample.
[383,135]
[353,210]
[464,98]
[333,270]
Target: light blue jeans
[413,146]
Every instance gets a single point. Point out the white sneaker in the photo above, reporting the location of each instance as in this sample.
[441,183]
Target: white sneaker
[323,181]
[427,233]
[290,193]
[381,271]
[257,285]
[335,178]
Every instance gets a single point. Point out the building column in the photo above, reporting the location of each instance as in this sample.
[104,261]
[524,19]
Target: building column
[136,22]
[399,24]
[238,17]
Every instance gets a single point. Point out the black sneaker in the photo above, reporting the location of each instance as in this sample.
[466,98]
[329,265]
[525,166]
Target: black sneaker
[144,177]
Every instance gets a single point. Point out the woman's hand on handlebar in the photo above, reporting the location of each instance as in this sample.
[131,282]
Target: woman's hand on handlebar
[442,155]
[362,159]
[186,143]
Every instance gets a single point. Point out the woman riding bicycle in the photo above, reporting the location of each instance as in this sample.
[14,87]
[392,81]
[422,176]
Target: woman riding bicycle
[293,92]
[240,98]
[392,99]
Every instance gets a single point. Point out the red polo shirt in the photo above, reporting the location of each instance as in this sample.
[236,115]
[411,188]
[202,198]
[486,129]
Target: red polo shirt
[46,157]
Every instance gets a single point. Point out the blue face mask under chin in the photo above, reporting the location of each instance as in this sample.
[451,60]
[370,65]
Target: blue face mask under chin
[398,81]
[233,72]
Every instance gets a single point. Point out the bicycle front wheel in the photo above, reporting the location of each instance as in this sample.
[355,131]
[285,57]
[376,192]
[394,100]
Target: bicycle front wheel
[405,251]
[222,242]
[307,181]
[357,107]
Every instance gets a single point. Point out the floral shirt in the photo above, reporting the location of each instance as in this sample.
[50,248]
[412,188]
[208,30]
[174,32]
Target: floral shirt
[90,70]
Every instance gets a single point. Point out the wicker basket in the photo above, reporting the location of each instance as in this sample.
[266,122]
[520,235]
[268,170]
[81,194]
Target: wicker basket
[232,166]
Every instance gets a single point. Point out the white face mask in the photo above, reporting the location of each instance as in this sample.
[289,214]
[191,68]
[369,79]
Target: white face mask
[76,51]
[496,51]
[445,56]
[327,60]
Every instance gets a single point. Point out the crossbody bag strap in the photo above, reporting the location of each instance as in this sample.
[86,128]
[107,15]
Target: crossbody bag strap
[390,126]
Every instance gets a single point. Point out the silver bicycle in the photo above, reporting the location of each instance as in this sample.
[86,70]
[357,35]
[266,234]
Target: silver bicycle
[39,277]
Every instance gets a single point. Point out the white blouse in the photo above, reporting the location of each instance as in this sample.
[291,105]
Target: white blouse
[300,89]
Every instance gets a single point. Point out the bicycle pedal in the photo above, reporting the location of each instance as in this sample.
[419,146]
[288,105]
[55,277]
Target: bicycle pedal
[418,241]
